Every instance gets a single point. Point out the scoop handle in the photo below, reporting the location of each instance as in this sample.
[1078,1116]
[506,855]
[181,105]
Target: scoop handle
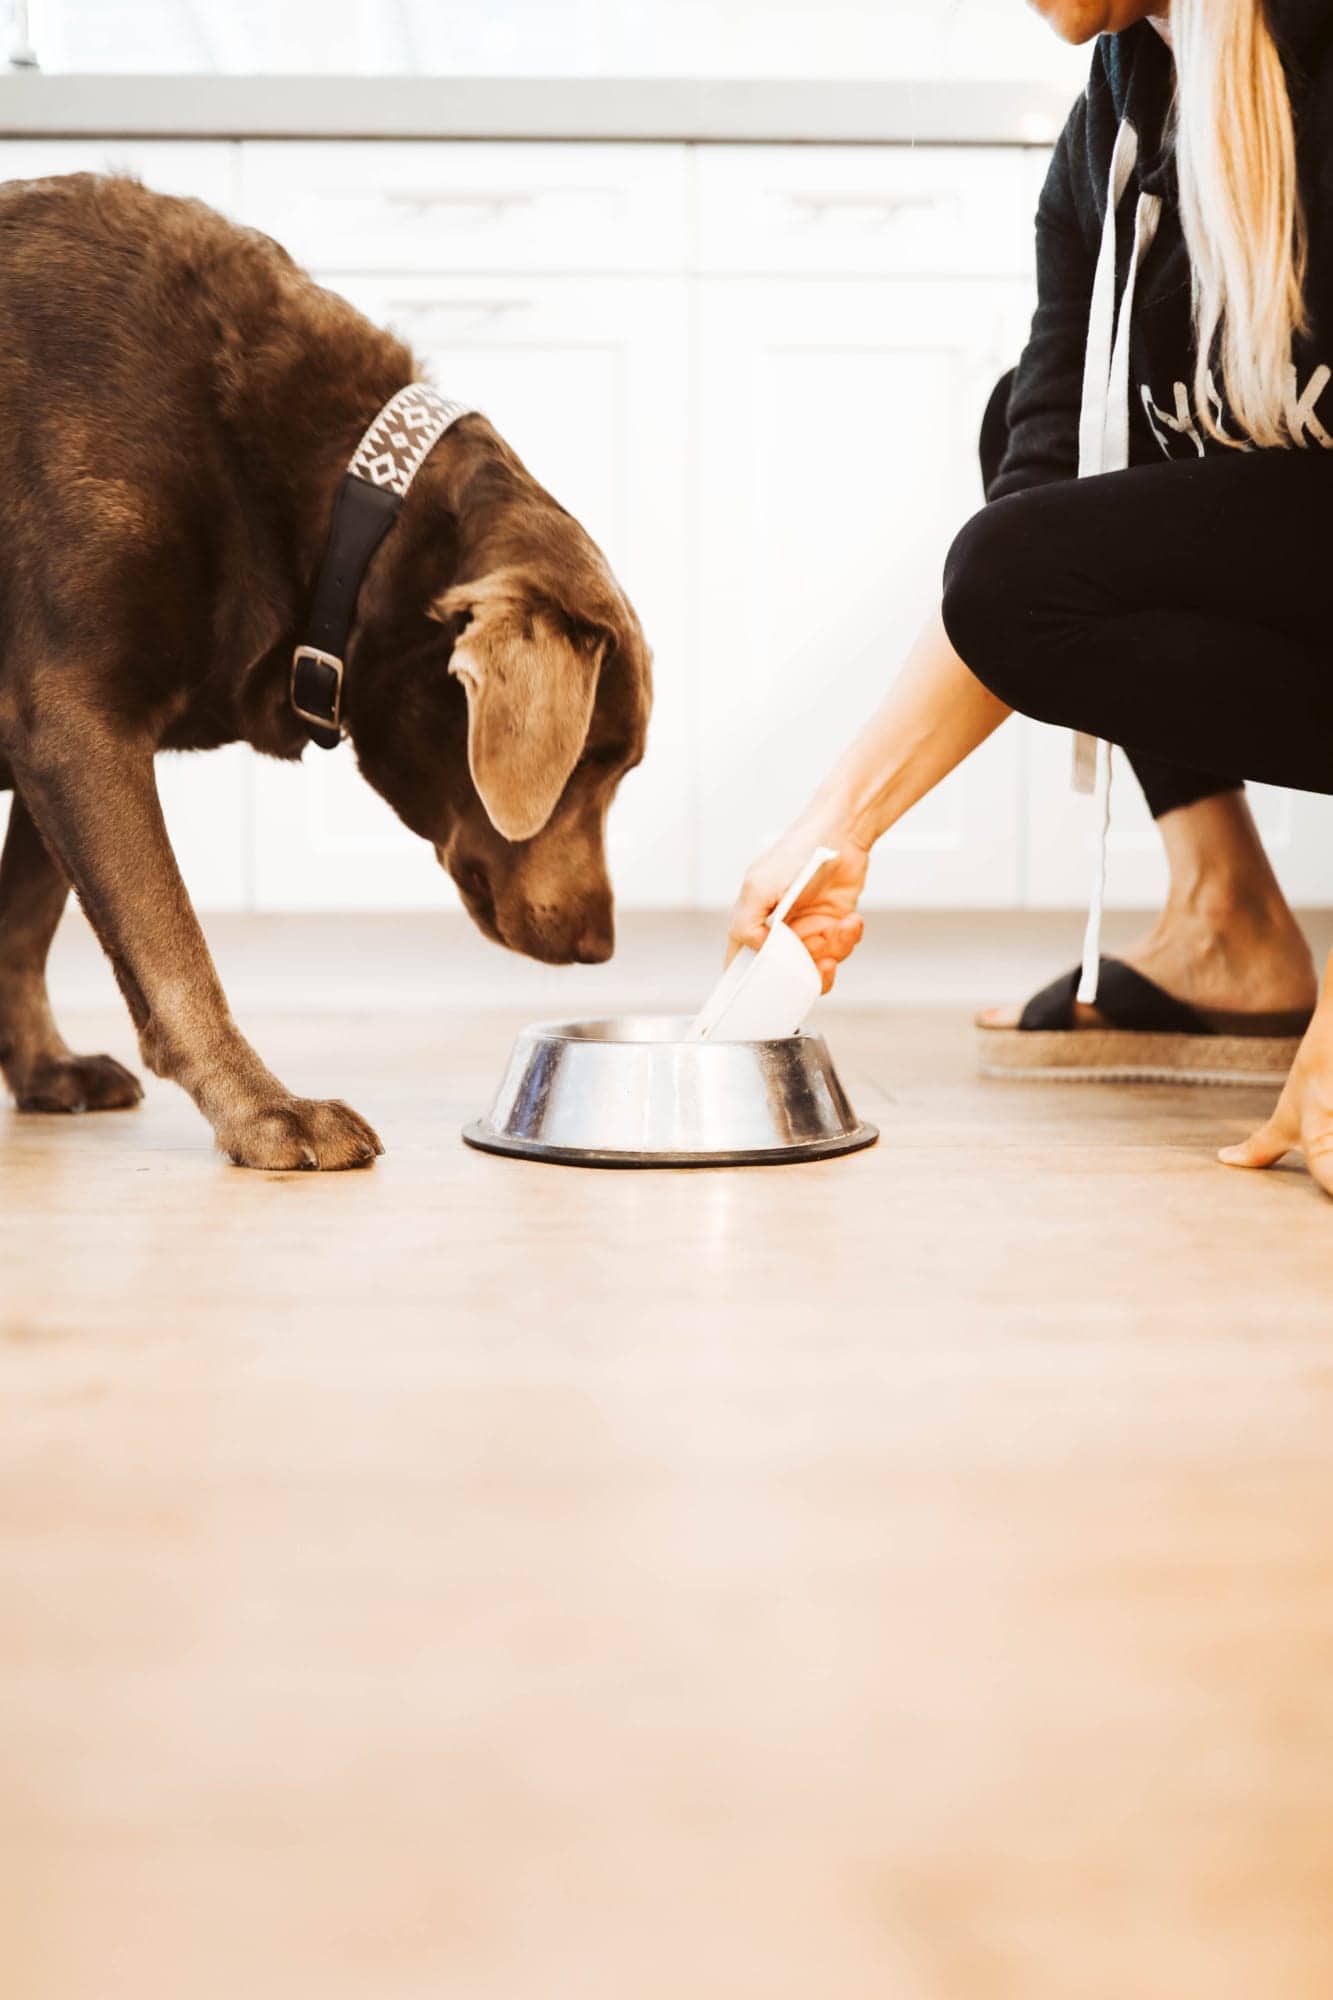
[820,857]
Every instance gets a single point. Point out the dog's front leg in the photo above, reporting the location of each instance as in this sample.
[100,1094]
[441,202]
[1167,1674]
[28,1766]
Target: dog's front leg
[94,797]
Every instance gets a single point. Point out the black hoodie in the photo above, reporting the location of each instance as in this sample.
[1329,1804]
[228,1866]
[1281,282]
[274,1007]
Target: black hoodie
[1133,78]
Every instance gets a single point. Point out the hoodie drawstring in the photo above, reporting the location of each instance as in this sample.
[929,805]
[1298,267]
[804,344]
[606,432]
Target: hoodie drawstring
[1103,446]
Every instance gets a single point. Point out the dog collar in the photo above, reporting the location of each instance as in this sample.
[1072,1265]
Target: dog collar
[371,491]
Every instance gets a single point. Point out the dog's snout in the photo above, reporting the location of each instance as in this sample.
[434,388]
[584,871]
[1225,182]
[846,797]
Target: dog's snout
[594,945]
[523,902]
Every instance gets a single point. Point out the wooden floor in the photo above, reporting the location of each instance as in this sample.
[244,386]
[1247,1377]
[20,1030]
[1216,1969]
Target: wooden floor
[903,1578]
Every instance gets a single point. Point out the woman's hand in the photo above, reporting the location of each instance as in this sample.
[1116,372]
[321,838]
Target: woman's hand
[824,915]
[1303,1121]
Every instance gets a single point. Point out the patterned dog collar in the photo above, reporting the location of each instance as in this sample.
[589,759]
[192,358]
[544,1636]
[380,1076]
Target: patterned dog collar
[372,490]
[394,449]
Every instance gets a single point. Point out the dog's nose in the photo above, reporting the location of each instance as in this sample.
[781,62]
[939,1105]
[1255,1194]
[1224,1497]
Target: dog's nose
[595,945]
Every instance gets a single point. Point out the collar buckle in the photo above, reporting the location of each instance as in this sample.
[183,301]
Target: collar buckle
[317,689]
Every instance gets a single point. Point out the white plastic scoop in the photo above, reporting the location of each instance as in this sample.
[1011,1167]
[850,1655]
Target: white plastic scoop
[765,995]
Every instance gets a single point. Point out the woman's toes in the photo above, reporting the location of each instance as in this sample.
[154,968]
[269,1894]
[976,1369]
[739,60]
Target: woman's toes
[1264,1147]
[998,1017]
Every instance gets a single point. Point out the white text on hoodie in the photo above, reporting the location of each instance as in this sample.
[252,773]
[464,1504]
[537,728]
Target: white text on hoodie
[1182,421]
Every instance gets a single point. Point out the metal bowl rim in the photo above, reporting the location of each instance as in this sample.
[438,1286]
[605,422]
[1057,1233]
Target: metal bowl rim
[559,1031]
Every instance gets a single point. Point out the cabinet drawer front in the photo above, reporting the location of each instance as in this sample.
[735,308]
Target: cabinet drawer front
[878,210]
[383,206]
[205,169]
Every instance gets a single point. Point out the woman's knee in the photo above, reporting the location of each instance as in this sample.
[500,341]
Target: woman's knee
[987,601]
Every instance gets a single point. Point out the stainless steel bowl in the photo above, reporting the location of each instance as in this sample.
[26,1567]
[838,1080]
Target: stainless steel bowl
[633,1093]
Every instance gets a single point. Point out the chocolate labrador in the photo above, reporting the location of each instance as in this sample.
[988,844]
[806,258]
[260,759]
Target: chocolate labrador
[231,512]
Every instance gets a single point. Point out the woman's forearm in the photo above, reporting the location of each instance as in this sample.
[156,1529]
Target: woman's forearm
[934,715]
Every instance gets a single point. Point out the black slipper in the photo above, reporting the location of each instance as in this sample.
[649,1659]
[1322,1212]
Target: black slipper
[1142,1034]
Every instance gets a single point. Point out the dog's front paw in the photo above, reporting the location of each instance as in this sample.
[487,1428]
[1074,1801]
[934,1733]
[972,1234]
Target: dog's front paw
[300,1132]
[77,1083]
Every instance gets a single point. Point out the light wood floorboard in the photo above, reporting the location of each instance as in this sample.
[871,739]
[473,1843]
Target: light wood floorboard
[901,1577]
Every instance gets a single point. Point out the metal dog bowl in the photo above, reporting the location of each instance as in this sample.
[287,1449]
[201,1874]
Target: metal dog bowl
[633,1093]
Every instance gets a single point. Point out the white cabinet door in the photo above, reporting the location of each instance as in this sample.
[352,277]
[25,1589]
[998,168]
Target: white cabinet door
[587,379]
[837,459]
[1060,835]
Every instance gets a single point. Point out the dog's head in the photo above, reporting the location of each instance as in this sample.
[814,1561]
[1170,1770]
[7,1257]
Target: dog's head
[498,709]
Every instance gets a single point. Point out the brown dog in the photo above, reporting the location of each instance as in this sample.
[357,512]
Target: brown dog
[178,404]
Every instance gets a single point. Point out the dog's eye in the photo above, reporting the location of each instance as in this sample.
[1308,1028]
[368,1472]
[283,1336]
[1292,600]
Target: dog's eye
[462,619]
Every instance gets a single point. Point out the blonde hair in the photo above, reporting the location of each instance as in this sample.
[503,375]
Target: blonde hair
[1241,210]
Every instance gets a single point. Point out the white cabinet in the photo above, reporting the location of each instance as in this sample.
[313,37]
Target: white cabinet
[587,378]
[836,460]
[857,307]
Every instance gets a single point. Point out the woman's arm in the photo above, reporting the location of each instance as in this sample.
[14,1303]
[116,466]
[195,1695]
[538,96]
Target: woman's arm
[934,715]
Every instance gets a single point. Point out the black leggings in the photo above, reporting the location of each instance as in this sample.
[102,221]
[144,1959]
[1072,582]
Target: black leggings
[1177,609]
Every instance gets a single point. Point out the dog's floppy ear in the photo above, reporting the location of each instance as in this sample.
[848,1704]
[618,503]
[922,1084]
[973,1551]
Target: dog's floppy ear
[531,681]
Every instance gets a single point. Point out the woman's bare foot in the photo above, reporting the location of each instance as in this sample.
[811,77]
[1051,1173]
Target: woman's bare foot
[1226,941]
[1303,1120]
